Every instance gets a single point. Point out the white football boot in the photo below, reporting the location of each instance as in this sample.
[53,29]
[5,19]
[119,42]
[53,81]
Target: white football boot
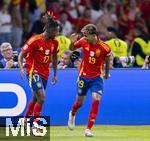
[71,121]
[88,133]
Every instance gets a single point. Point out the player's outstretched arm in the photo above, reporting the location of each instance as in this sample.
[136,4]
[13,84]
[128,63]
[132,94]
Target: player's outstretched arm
[20,63]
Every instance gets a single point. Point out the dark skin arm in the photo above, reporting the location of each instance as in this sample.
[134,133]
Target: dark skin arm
[54,63]
[20,63]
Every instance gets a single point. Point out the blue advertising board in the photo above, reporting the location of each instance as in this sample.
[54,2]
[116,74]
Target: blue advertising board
[126,97]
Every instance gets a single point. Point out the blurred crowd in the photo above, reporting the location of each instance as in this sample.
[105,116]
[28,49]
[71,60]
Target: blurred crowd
[123,24]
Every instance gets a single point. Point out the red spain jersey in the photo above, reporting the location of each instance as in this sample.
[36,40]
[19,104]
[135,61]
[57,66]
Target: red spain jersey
[38,55]
[93,57]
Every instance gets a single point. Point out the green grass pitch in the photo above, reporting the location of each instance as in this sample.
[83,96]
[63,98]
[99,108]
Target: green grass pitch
[101,133]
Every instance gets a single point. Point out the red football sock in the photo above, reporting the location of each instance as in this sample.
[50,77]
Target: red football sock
[93,113]
[75,107]
[37,110]
[30,108]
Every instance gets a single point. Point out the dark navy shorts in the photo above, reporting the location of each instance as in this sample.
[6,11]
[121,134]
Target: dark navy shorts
[36,82]
[93,84]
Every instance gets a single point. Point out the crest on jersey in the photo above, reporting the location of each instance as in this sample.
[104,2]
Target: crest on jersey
[40,48]
[47,52]
[98,52]
[87,48]
[92,53]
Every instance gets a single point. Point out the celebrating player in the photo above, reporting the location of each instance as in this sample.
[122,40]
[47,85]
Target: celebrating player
[38,51]
[95,54]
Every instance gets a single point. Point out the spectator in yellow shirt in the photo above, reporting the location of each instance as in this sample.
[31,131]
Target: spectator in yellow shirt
[118,46]
[63,44]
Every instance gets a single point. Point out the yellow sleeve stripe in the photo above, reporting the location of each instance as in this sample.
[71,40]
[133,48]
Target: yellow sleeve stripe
[81,70]
[30,75]
[105,46]
[101,71]
[34,38]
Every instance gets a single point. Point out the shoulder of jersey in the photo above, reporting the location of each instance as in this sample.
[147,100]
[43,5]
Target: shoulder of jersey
[34,38]
[55,41]
[104,45]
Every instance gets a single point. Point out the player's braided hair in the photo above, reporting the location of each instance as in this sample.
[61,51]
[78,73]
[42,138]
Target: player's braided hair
[51,21]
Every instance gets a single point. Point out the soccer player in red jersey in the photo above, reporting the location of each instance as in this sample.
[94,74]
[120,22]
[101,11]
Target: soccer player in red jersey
[95,54]
[38,52]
